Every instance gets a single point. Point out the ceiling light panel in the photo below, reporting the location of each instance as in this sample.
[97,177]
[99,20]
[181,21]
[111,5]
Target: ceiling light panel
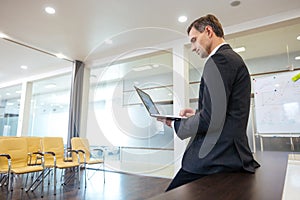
[50,10]
[182,19]
[23,67]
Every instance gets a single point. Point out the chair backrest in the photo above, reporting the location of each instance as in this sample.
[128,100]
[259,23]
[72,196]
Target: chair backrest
[53,144]
[81,144]
[3,160]
[34,144]
[17,149]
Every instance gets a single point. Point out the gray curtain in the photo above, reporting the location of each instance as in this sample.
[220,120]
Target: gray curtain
[75,101]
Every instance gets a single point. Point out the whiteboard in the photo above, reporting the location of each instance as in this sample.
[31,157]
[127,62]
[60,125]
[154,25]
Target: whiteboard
[277,103]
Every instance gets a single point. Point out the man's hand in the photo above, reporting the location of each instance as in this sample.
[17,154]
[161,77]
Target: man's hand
[187,112]
[168,122]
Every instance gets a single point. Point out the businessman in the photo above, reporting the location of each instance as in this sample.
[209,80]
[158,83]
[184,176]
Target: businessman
[217,128]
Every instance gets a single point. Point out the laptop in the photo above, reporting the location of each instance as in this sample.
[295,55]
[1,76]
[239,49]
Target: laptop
[151,107]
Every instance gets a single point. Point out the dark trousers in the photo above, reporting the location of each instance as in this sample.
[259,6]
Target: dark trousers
[182,177]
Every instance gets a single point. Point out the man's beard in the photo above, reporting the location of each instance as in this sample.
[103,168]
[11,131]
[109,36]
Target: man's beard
[202,52]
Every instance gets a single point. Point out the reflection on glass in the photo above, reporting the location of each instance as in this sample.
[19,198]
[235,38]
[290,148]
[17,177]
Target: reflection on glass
[49,114]
[119,114]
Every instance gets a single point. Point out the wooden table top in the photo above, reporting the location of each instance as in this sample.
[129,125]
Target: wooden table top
[266,183]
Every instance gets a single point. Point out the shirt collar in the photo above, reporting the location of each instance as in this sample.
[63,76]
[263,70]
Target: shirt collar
[215,50]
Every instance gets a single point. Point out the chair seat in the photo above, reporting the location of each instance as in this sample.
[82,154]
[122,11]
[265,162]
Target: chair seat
[82,146]
[94,161]
[3,170]
[62,164]
[26,169]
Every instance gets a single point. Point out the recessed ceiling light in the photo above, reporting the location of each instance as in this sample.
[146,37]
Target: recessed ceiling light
[235,3]
[239,49]
[182,19]
[18,91]
[297,58]
[2,35]
[7,94]
[50,10]
[298,38]
[24,67]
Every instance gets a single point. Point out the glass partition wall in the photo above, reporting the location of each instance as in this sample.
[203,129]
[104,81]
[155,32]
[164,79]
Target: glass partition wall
[34,91]
[49,107]
[9,110]
[49,113]
[115,101]
[120,117]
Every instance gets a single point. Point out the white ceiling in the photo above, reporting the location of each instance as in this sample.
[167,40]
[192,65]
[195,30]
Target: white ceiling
[80,27]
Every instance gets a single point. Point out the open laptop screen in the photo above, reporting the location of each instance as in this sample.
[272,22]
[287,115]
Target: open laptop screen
[149,104]
[152,109]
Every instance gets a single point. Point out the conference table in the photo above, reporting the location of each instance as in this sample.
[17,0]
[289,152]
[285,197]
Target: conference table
[267,183]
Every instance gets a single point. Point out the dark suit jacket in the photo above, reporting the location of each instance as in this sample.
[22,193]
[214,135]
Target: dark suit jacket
[221,118]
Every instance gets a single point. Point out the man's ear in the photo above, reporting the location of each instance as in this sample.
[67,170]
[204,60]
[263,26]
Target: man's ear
[209,31]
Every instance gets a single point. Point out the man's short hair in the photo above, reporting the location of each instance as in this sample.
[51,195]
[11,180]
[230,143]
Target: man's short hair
[208,20]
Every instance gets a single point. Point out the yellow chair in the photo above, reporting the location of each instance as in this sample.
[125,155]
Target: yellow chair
[5,166]
[33,146]
[83,147]
[5,161]
[54,154]
[15,151]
